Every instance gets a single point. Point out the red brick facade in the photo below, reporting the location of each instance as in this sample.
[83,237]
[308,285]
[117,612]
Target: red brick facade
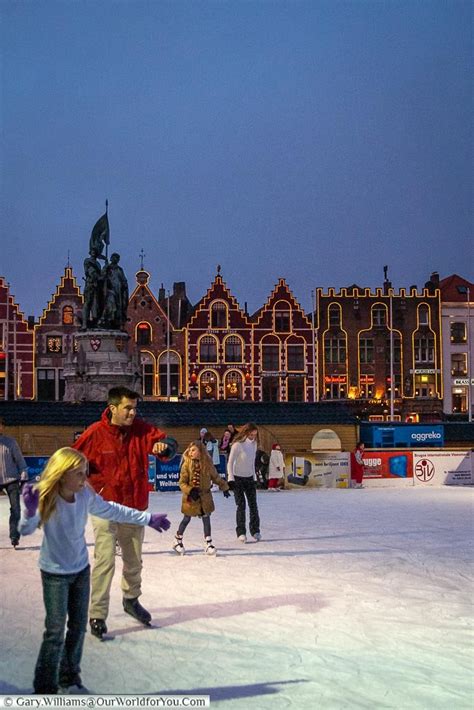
[16,349]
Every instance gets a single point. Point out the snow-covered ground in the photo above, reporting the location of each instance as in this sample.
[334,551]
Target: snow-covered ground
[353,599]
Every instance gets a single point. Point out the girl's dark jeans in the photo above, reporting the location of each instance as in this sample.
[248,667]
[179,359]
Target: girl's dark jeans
[206,523]
[66,598]
[244,488]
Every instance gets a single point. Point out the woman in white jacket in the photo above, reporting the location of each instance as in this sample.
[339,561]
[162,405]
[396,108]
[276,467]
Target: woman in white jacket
[241,478]
[276,468]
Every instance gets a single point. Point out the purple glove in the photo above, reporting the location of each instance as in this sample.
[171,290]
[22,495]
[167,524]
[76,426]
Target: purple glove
[159,522]
[31,499]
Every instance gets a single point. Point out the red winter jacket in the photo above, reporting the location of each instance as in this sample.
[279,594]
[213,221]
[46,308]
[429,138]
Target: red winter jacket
[118,459]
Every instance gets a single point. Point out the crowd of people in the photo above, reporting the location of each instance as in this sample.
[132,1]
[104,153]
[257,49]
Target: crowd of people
[105,474]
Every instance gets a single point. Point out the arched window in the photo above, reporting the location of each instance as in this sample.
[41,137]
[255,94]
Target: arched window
[208,349]
[334,315]
[233,349]
[143,334]
[208,385]
[423,315]
[379,314]
[233,385]
[271,354]
[295,355]
[68,315]
[148,374]
[169,371]
[219,315]
[282,316]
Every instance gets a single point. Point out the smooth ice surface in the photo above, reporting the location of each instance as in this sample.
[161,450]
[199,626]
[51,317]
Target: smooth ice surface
[353,599]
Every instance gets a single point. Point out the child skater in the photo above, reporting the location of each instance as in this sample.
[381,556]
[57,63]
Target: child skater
[242,480]
[60,504]
[195,480]
[276,469]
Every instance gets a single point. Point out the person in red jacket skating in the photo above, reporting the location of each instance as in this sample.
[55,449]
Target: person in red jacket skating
[117,448]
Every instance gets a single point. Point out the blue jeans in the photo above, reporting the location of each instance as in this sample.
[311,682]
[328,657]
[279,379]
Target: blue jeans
[13,491]
[66,598]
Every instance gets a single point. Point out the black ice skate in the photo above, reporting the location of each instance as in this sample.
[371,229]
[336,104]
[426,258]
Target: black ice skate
[135,609]
[15,542]
[98,628]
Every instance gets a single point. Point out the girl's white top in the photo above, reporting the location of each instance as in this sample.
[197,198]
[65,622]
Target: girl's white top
[64,550]
[242,460]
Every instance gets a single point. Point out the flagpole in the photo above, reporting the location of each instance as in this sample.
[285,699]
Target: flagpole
[107,216]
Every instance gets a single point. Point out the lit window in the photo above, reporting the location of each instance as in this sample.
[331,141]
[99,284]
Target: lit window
[54,344]
[143,334]
[68,315]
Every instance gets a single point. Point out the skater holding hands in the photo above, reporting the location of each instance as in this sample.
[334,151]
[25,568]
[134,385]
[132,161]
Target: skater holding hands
[196,478]
[60,504]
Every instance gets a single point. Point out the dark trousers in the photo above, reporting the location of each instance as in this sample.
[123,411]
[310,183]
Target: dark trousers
[66,598]
[13,491]
[244,488]
[206,522]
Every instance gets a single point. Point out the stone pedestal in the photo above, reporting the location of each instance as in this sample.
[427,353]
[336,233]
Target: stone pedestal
[101,362]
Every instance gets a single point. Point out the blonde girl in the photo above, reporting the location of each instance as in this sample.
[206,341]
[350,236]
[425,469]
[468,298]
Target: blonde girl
[242,477]
[60,504]
[196,478]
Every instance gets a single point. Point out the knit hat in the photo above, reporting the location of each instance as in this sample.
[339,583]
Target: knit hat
[276,445]
[203,431]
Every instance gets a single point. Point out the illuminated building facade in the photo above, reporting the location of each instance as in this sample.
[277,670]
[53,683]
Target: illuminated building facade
[367,338]
[16,349]
[283,363]
[54,337]
[157,337]
[219,347]
[457,296]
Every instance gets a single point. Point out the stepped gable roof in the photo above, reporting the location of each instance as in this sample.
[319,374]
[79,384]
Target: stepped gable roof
[180,414]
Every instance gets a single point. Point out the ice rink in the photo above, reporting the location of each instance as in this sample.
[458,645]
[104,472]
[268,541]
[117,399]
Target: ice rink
[353,599]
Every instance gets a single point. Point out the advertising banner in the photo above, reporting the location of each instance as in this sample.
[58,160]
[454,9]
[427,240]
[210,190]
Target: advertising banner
[331,470]
[438,468]
[167,474]
[388,464]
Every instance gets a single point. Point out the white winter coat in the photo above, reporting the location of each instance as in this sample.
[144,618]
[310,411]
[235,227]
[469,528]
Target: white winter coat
[276,468]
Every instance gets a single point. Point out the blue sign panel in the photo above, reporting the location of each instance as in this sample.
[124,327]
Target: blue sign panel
[403,435]
[167,474]
[35,465]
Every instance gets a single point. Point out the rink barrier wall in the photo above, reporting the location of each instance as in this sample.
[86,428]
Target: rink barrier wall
[333,469]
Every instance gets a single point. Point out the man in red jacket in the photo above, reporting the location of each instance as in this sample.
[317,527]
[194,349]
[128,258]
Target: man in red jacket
[117,448]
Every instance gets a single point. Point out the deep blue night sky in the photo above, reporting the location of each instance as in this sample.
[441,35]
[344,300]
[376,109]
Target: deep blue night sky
[312,140]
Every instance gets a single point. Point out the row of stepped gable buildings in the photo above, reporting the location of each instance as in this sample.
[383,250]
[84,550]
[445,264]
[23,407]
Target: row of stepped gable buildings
[356,345]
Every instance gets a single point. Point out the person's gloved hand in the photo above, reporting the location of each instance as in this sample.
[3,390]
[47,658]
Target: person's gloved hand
[226,494]
[31,499]
[159,522]
[166,449]
[231,485]
[194,493]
